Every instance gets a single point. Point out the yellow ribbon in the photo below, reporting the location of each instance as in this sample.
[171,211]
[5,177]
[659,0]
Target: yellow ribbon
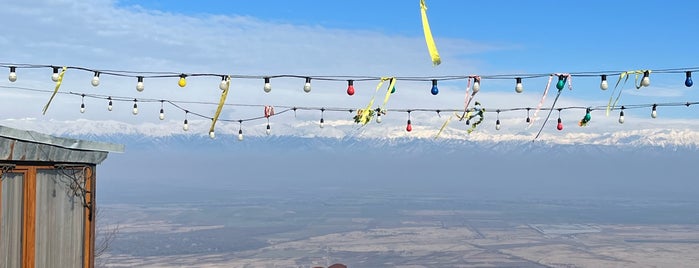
[431,46]
[364,118]
[224,94]
[625,77]
[446,123]
[55,90]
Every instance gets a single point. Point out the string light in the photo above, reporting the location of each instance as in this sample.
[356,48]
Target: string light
[185,126]
[393,89]
[604,85]
[82,104]
[268,86]
[95,79]
[378,115]
[497,121]
[322,121]
[529,120]
[223,84]
[212,134]
[409,127]
[135,107]
[307,85]
[476,84]
[434,89]
[13,74]
[561,82]
[621,115]
[518,86]
[161,116]
[109,104]
[240,130]
[139,84]
[54,76]
[646,79]
[269,129]
[350,87]
[183,81]
[654,111]
[687,82]
[559,126]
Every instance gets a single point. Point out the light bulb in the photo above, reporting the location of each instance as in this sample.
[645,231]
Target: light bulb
[135,108]
[434,89]
[322,122]
[621,116]
[182,82]
[409,127]
[109,105]
[222,85]
[13,74]
[54,76]
[476,85]
[378,117]
[212,134]
[561,82]
[307,85]
[82,108]
[604,85]
[268,130]
[393,89]
[518,87]
[654,112]
[185,126]
[162,114]
[560,124]
[240,135]
[96,79]
[497,124]
[687,82]
[139,85]
[268,86]
[646,79]
[350,87]
[529,120]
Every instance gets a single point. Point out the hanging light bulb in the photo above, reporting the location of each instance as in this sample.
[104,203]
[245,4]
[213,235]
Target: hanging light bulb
[95,79]
[409,127]
[393,89]
[646,79]
[497,122]
[139,84]
[223,84]
[161,116]
[350,87]
[378,117]
[322,121]
[268,130]
[82,104]
[687,82]
[307,85]
[54,76]
[182,82]
[518,86]
[185,126]
[561,82]
[240,130]
[268,87]
[434,89]
[529,120]
[621,115]
[212,134]
[604,85]
[135,107]
[109,105]
[476,84]
[559,126]
[13,74]
[654,111]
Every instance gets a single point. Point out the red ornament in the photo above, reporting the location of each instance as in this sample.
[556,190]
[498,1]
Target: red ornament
[409,127]
[350,90]
[559,126]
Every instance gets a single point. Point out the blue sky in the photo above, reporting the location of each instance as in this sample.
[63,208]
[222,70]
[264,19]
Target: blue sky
[376,38]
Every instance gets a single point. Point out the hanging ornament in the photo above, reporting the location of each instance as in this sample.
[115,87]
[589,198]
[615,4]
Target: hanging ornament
[586,119]
[434,89]
[688,80]
[350,87]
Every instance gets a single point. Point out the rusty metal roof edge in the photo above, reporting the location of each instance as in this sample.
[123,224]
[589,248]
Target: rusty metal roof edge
[32,136]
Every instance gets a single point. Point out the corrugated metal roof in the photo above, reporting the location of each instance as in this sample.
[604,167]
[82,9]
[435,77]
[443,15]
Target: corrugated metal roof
[36,137]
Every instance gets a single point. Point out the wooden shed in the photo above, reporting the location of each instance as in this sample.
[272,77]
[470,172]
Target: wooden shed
[47,199]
